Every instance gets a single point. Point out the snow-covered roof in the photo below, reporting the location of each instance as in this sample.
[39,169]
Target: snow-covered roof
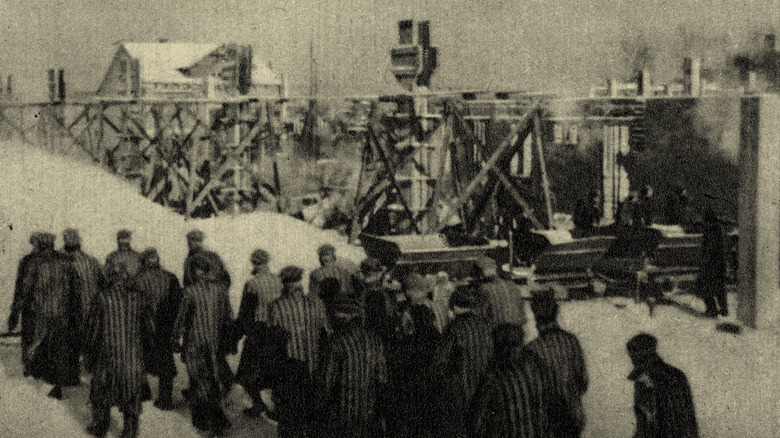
[160,62]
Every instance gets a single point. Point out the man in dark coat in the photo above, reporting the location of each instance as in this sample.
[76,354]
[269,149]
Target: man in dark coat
[339,270]
[380,303]
[301,316]
[259,291]
[663,402]
[53,287]
[89,269]
[503,299]
[22,304]
[119,333]
[197,251]
[204,321]
[163,294]
[712,275]
[561,354]
[463,356]
[125,254]
[352,380]
[514,399]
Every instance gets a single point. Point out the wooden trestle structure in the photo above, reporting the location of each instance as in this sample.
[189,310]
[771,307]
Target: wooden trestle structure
[482,156]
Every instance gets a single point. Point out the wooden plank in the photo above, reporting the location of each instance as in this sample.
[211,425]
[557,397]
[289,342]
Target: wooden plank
[518,198]
[543,165]
[477,181]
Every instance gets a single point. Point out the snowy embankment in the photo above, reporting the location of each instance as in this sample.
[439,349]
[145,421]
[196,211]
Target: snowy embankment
[734,378]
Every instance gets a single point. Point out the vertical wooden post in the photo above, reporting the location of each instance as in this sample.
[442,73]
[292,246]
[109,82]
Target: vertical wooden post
[543,165]
[759,213]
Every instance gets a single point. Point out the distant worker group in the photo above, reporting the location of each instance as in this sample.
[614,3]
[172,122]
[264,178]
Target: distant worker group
[362,354]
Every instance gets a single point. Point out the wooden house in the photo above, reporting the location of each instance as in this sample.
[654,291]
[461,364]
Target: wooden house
[187,70]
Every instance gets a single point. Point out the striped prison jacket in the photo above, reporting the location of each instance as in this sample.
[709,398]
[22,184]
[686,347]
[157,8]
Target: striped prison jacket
[91,275]
[304,319]
[513,400]
[352,382]
[163,296]
[466,348]
[259,292]
[119,333]
[562,355]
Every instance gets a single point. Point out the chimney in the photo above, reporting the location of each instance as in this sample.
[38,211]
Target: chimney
[692,72]
[644,87]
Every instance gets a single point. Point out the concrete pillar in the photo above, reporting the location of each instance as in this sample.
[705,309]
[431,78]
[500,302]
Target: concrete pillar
[759,213]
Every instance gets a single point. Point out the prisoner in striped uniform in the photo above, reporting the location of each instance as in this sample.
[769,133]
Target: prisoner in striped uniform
[163,295]
[463,356]
[514,399]
[561,353]
[197,251]
[125,254]
[22,305]
[119,333]
[301,316]
[53,287]
[204,320]
[503,299]
[259,291]
[88,268]
[332,267]
[353,379]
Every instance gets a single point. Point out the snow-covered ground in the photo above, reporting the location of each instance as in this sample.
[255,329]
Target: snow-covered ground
[734,377]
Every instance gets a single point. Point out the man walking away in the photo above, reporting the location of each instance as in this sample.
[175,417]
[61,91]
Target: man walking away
[353,380]
[125,254]
[162,292]
[663,403]
[463,356]
[332,267]
[504,302]
[197,251]
[514,399]
[119,329]
[259,291]
[712,275]
[562,356]
[301,316]
[88,268]
[53,287]
[22,304]
[204,319]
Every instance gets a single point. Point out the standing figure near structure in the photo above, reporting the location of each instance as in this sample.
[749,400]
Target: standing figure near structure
[120,331]
[125,254]
[463,356]
[22,305]
[331,267]
[561,354]
[204,321]
[503,298]
[663,403]
[259,292]
[678,208]
[53,287]
[162,292]
[197,251]
[626,211]
[302,316]
[352,381]
[587,212]
[645,210]
[712,275]
[514,398]
[88,268]
[380,302]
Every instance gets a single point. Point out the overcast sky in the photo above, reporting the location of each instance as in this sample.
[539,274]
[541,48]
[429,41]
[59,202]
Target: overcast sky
[564,45]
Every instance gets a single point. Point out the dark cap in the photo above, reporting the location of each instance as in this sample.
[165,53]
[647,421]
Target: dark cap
[47,239]
[326,249]
[642,344]
[195,236]
[35,238]
[464,297]
[291,274]
[71,237]
[259,257]
[149,256]
[544,306]
[370,265]
[124,235]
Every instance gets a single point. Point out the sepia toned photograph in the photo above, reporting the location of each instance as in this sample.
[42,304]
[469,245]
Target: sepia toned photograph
[390,219]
